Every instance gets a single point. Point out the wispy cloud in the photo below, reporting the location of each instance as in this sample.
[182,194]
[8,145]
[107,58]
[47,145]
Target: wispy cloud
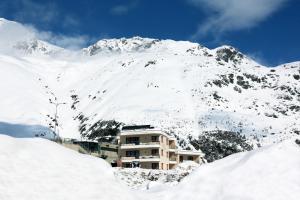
[72,42]
[259,57]
[123,9]
[70,21]
[37,11]
[11,33]
[30,12]
[233,15]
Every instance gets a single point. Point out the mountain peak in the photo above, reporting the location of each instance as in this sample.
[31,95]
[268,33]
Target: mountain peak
[3,20]
[121,45]
[17,37]
[228,53]
[36,46]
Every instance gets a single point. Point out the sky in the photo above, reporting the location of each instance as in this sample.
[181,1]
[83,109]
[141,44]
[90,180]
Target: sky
[266,30]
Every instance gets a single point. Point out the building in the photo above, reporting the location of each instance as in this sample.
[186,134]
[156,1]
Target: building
[146,147]
[105,150]
[109,152]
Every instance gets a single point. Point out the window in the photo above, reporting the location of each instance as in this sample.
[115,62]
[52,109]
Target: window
[154,152]
[133,140]
[135,164]
[190,158]
[162,152]
[154,165]
[135,154]
[154,139]
[181,158]
[127,165]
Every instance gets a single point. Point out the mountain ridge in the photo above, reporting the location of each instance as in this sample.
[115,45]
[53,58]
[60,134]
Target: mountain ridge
[181,87]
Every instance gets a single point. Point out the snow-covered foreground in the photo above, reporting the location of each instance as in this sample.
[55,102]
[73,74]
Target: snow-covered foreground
[39,169]
[271,173]
[143,179]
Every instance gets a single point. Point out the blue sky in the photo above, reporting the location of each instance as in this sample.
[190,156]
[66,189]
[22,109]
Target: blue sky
[268,30]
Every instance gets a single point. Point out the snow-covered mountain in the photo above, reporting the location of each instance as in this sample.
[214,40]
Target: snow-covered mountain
[181,87]
[18,39]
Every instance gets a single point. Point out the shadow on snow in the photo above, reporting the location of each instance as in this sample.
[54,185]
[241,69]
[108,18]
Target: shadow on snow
[25,131]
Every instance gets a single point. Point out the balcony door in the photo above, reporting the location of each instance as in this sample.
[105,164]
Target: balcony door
[133,140]
[155,138]
[134,153]
[181,159]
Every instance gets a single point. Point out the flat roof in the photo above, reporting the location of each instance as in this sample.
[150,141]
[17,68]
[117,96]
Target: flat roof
[135,127]
[189,152]
[146,132]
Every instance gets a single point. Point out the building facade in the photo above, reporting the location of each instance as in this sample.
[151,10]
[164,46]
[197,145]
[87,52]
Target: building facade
[148,148]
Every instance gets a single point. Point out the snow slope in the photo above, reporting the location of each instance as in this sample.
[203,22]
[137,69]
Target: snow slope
[143,179]
[182,87]
[271,172]
[35,169]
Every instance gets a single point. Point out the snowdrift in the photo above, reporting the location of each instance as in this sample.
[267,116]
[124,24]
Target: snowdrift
[271,173]
[37,169]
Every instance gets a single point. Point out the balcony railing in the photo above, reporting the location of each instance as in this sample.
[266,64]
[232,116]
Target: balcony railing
[141,143]
[128,158]
[173,159]
[149,157]
[141,157]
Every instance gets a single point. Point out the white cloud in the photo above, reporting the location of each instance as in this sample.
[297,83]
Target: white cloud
[123,8]
[12,32]
[120,10]
[43,14]
[37,12]
[234,15]
[31,10]
[72,42]
[259,57]
[70,21]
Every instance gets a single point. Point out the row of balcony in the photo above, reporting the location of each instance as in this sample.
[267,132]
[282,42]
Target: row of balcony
[151,157]
[139,157]
[140,143]
[145,144]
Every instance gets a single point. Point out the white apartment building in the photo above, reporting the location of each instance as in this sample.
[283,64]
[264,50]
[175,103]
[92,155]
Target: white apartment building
[149,148]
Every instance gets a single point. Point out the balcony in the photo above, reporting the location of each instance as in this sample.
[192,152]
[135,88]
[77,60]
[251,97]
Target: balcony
[148,157]
[151,158]
[173,159]
[140,145]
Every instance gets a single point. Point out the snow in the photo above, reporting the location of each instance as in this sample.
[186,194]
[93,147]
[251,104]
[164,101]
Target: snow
[35,169]
[165,83]
[145,179]
[172,85]
[270,172]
